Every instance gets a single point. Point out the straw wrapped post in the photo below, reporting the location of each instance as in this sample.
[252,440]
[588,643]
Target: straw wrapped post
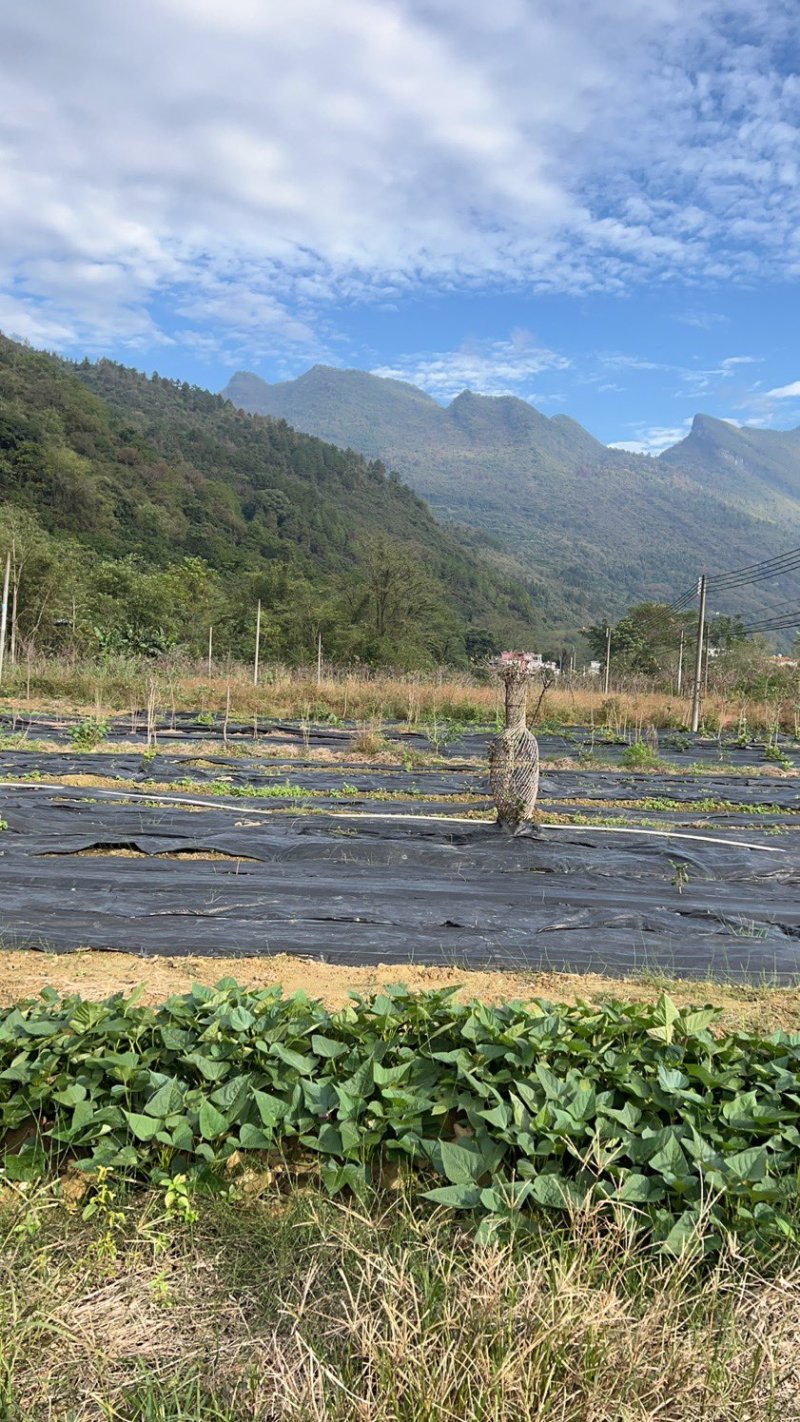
[514,754]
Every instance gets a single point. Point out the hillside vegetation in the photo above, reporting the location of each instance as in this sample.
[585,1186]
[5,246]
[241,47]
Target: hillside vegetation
[141,511]
[598,527]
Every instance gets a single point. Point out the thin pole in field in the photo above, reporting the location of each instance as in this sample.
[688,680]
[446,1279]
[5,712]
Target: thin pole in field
[4,613]
[210,647]
[319,658]
[680,665]
[697,685]
[606,681]
[258,643]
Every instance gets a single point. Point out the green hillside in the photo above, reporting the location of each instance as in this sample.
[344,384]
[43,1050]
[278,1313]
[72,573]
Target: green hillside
[142,510]
[758,469]
[598,527]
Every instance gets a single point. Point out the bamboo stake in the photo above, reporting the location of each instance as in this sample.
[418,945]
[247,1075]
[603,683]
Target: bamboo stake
[697,685]
[258,644]
[12,647]
[4,613]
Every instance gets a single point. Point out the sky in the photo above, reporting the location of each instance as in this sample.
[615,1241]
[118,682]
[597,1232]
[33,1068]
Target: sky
[591,204]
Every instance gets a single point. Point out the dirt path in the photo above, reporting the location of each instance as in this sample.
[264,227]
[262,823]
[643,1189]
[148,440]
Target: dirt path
[96,975]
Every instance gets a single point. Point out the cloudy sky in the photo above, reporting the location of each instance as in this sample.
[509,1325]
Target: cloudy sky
[592,204]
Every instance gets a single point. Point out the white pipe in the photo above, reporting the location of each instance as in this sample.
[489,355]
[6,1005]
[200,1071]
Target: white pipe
[123,794]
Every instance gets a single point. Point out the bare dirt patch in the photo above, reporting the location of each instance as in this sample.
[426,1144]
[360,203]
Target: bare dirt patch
[97,975]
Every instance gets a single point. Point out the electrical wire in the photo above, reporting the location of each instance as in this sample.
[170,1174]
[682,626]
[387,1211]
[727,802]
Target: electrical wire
[684,599]
[756,572]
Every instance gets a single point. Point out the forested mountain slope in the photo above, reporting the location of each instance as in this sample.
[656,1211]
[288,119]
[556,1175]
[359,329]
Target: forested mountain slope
[598,526]
[116,478]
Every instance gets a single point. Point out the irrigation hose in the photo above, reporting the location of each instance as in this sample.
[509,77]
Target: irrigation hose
[122,794]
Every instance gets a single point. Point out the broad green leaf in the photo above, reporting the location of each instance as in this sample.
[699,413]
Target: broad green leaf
[327,1046]
[211,1122]
[144,1128]
[458,1197]
[270,1108]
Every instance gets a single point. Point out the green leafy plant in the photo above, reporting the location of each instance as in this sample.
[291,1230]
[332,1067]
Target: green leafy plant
[88,733]
[680,876]
[498,1111]
[639,756]
[776,756]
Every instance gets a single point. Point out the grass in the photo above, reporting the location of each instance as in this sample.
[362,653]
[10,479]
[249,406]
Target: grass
[292,1307]
[422,701]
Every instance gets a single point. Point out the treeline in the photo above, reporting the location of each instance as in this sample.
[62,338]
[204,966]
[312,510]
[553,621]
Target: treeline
[140,512]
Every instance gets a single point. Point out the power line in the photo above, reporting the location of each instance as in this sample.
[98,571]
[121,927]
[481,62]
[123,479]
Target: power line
[777,624]
[684,600]
[756,572]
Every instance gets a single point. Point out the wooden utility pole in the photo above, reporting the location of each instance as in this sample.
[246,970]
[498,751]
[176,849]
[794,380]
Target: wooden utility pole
[210,647]
[697,685]
[258,644]
[4,613]
[680,665]
[608,661]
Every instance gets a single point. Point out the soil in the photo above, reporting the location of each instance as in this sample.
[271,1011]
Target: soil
[96,975]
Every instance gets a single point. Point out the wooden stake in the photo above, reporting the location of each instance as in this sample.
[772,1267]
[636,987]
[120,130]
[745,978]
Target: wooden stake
[4,613]
[12,645]
[697,685]
[258,644]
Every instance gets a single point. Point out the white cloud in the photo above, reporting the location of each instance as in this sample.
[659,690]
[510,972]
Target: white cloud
[498,367]
[243,165]
[653,439]
[784,392]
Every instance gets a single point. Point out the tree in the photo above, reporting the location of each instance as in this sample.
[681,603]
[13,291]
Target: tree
[645,640]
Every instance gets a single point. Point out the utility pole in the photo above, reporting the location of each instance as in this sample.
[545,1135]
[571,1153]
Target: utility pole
[697,685]
[680,665]
[608,661]
[4,613]
[258,644]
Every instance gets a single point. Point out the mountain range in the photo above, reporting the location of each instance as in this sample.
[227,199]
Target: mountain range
[591,527]
[106,467]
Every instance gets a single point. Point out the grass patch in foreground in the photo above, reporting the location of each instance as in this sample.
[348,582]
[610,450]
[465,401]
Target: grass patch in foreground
[640,1111]
[303,1309]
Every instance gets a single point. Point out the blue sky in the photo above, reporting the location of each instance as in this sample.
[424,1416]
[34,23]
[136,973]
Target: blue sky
[593,204]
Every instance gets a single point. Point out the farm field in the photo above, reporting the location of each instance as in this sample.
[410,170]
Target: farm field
[247,1272]
[361,849]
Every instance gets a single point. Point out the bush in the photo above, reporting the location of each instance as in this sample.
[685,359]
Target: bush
[639,756]
[87,734]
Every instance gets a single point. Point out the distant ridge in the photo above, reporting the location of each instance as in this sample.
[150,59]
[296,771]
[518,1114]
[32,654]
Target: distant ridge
[598,527]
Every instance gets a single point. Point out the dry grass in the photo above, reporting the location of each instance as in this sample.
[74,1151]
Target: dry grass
[297,1309]
[124,686]
[96,975]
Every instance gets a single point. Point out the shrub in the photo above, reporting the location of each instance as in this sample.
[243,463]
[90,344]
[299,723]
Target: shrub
[87,734]
[639,756]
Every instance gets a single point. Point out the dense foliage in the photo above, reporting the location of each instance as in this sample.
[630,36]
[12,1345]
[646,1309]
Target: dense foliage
[640,1109]
[141,511]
